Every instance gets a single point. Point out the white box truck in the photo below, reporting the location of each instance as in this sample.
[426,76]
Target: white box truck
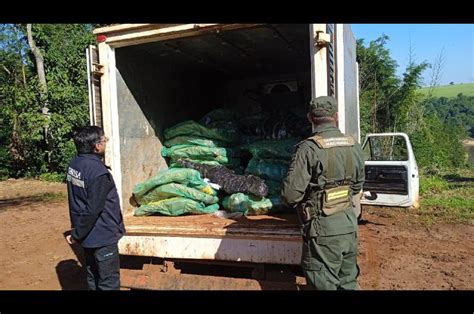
[147,77]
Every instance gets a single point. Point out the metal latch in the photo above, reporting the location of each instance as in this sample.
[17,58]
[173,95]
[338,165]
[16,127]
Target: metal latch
[98,68]
[322,38]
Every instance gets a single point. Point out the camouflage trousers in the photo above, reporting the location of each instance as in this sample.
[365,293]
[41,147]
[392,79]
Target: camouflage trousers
[330,263]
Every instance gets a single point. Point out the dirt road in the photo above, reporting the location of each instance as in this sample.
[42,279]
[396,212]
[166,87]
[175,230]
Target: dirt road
[396,252]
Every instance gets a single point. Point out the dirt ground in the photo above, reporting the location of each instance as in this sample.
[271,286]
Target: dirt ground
[396,251]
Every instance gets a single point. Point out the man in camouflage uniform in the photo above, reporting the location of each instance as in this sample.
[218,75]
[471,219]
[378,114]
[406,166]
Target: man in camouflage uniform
[325,174]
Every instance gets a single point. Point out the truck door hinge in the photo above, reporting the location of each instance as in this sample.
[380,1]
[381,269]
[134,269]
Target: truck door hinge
[322,38]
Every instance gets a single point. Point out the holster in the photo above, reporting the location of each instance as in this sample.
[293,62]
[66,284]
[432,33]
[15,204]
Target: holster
[305,213]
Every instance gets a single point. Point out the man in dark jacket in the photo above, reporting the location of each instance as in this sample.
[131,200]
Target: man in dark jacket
[326,172]
[94,208]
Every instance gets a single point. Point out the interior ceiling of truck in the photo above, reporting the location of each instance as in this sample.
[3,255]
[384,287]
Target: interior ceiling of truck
[270,49]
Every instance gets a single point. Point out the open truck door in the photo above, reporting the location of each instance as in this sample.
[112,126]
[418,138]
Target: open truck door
[391,172]
[94,73]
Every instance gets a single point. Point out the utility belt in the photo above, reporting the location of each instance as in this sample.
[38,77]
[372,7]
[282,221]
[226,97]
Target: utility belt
[334,200]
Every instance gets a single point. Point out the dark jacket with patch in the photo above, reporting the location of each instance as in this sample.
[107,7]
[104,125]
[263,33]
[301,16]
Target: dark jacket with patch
[94,206]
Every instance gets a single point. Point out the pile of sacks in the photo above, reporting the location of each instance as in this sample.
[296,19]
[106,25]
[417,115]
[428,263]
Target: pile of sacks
[175,192]
[208,142]
[270,161]
[247,192]
[247,170]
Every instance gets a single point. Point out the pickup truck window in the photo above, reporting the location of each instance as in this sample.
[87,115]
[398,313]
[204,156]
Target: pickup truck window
[386,148]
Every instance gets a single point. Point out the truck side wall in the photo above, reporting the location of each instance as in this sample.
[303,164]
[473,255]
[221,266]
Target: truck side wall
[151,97]
[347,82]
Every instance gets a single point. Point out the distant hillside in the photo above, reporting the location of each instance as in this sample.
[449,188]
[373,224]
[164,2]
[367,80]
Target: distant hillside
[452,90]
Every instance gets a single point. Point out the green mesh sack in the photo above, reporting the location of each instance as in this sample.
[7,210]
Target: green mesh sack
[175,189]
[188,177]
[249,139]
[192,128]
[246,204]
[278,206]
[192,140]
[271,149]
[230,128]
[250,205]
[174,164]
[196,152]
[237,202]
[268,168]
[199,152]
[219,114]
[175,206]
[231,163]
[226,126]
[274,187]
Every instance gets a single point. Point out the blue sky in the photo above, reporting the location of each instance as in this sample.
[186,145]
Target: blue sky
[427,41]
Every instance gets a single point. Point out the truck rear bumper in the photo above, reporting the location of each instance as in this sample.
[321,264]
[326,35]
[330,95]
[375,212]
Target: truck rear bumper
[150,279]
[257,239]
[251,249]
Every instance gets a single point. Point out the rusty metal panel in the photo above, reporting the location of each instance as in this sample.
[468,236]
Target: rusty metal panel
[140,147]
[247,52]
[268,239]
[156,280]
[281,226]
[251,249]
[128,36]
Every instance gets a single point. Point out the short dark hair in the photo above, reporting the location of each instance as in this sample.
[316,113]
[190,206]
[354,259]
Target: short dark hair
[321,120]
[86,138]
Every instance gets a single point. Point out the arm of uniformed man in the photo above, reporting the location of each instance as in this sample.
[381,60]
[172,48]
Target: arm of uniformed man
[358,180]
[298,177]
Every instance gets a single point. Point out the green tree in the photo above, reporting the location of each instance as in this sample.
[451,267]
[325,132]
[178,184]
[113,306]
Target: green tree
[457,111]
[391,104]
[439,145]
[378,84]
[25,149]
[387,102]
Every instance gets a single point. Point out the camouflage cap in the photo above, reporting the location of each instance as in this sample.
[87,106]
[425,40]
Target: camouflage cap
[323,106]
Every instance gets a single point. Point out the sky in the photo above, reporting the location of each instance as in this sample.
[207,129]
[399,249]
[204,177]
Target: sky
[454,41]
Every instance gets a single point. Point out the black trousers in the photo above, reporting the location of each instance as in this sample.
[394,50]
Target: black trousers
[103,267]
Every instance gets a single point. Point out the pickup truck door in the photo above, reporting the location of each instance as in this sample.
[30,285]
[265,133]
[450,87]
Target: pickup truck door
[391,172]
